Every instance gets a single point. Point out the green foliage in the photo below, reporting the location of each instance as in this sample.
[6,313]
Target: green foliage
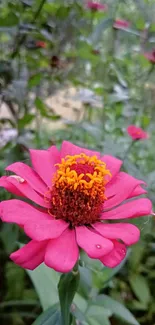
[44,278]
[50,317]
[67,289]
[15,288]
[117,309]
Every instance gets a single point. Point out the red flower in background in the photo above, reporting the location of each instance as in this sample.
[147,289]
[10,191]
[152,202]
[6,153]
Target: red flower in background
[40,44]
[150,56]
[96,6]
[120,23]
[137,133]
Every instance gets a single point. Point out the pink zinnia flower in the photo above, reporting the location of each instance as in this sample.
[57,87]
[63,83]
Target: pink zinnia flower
[96,6]
[120,23]
[150,56]
[41,44]
[75,191]
[137,133]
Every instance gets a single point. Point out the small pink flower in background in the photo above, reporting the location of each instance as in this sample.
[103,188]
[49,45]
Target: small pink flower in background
[40,44]
[150,56]
[137,133]
[120,23]
[96,6]
[75,191]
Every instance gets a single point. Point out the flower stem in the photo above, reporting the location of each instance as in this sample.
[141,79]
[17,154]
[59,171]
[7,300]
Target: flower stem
[128,150]
[67,288]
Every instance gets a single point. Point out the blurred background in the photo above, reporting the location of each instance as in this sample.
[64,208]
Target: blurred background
[82,71]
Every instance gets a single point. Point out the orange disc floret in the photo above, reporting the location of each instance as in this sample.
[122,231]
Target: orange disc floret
[77,194]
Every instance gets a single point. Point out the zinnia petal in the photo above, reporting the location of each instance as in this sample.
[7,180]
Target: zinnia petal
[31,255]
[54,154]
[127,232]
[92,243]
[62,253]
[29,175]
[69,148]
[26,190]
[113,164]
[132,209]
[21,212]
[119,189]
[116,256]
[137,191]
[43,162]
[121,24]
[45,229]
[9,187]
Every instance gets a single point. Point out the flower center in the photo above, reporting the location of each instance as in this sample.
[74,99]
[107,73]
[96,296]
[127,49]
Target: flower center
[77,193]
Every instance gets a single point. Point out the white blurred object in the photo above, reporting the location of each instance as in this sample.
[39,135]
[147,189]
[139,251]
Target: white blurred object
[7,135]
[87,96]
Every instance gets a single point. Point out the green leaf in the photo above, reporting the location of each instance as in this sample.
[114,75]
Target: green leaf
[9,235]
[140,288]
[25,120]
[136,256]
[15,303]
[51,8]
[41,106]
[67,287]
[77,313]
[101,274]
[35,80]
[10,20]
[107,274]
[50,317]
[98,320]
[45,281]
[80,302]
[145,120]
[85,281]
[102,26]
[118,310]
[15,288]
[99,314]
[43,109]
[137,305]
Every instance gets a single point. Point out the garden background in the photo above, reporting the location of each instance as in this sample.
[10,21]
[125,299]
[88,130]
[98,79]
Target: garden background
[70,71]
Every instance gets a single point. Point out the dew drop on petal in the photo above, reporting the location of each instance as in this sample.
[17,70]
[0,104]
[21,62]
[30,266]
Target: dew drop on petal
[98,246]
[18,178]
[123,252]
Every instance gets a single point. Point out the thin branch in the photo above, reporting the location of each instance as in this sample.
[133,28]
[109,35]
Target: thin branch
[23,38]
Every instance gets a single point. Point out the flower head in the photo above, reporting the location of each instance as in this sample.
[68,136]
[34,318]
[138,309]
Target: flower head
[121,24]
[75,191]
[137,133]
[96,6]
[40,44]
[150,56]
